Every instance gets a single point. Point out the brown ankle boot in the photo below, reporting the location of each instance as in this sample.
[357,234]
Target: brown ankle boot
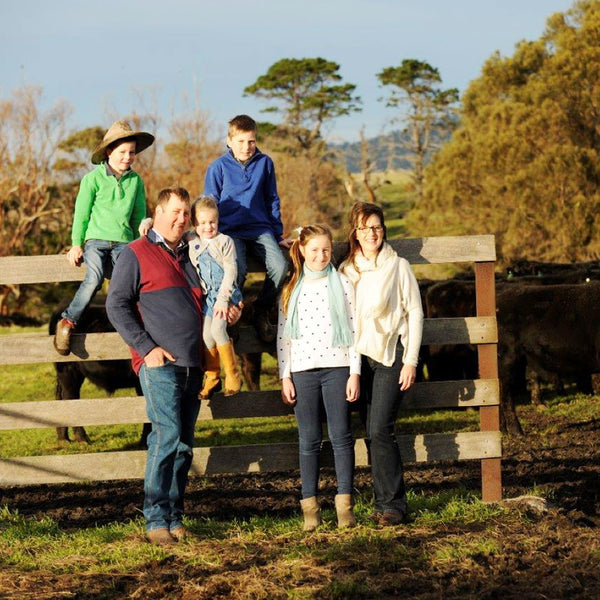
[212,373]
[62,337]
[343,508]
[311,512]
[233,382]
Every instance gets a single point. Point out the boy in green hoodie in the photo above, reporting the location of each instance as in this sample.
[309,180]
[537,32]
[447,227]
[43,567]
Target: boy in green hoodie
[109,207]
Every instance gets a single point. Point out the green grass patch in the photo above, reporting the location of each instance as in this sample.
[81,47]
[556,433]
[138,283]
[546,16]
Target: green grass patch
[32,544]
[459,550]
[456,507]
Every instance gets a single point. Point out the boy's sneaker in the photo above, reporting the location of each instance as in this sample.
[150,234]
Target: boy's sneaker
[62,337]
[265,327]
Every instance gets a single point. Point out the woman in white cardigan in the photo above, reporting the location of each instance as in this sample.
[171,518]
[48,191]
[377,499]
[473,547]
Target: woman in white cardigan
[388,329]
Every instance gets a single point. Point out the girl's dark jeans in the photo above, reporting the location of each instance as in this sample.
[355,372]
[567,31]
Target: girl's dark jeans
[329,387]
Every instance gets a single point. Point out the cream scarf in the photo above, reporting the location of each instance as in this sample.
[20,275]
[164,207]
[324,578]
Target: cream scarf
[379,309]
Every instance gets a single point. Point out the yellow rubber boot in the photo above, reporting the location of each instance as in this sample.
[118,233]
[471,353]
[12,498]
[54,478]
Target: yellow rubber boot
[233,381]
[212,373]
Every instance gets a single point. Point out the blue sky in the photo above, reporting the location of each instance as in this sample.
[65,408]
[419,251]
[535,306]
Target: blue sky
[96,55]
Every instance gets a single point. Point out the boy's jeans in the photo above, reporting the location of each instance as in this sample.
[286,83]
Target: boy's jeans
[266,248]
[95,255]
[172,405]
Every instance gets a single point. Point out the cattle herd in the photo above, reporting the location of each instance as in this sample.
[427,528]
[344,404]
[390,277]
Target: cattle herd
[548,328]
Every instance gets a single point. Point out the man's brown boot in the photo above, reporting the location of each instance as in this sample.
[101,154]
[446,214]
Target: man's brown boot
[161,537]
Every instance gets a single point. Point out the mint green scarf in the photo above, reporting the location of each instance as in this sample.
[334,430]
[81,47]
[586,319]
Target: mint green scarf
[342,331]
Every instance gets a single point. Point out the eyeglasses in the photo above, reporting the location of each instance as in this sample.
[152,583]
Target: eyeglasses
[365,230]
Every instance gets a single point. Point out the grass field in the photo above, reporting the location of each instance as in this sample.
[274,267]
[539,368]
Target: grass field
[454,546]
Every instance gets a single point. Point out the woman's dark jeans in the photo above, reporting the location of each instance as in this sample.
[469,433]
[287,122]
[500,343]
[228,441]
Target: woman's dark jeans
[381,392]
[329,387]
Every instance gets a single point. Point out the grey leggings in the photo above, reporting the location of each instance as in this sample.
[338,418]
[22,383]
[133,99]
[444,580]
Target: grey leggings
[214,332]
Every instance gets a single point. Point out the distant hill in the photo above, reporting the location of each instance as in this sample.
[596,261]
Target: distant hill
[393,144]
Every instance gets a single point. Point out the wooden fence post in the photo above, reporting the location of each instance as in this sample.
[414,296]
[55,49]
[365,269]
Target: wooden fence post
[485,288]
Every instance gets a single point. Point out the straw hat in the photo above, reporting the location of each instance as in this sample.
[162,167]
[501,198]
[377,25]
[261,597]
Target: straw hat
[120,130]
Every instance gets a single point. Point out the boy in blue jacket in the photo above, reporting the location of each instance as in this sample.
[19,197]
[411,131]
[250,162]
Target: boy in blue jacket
[242,181]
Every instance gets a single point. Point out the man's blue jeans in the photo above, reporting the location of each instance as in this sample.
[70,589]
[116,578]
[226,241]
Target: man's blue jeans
[328,386]
[266,248]
[172,405]
[96,255]
[379,388]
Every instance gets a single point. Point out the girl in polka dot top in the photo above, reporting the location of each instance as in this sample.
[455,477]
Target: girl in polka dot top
[319,367]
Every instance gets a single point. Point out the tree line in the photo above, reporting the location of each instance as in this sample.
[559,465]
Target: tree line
[524,161]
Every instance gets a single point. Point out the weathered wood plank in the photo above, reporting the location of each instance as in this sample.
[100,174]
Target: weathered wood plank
[70,413]
[429,250]
[38,269]
[36,348]
[452,394]
[467,330]
[446,249]
[132,409]
[104,466]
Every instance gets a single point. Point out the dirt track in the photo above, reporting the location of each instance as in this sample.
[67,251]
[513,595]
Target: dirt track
[546,556]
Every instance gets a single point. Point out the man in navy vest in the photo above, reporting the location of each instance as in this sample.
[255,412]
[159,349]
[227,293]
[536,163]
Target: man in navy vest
[154,302]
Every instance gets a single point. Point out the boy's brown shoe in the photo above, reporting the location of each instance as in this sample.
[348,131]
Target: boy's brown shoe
[62,337]
[161,537]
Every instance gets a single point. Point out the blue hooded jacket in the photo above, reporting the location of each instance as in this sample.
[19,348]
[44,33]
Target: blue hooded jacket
[246,195]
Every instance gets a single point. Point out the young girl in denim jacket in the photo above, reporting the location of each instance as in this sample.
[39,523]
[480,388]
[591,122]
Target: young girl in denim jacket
[213,255]
[319,367]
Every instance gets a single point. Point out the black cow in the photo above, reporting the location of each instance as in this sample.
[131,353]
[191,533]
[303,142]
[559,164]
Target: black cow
[109,375]
[456,298]
[448,362]
[552,330]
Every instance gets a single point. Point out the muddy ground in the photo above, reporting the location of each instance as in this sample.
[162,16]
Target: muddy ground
[546,555]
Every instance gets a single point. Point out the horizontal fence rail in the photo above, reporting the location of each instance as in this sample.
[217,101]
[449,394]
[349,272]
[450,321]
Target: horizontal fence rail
[483,393]
[418,251]
[38,348]
[132,409]
[256,458]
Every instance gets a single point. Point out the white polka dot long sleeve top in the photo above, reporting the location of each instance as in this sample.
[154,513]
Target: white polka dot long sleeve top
[313,349]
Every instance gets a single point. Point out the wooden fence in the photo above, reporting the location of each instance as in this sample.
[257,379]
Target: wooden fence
[483,393]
